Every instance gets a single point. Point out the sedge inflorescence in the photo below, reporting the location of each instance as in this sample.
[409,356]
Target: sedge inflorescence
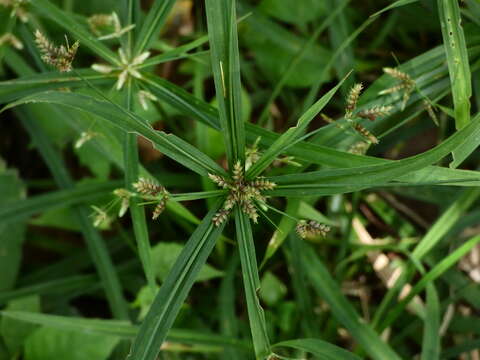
[305,228]
[150,190]
[61,57]
[242,192]
[351,113]
[406,84]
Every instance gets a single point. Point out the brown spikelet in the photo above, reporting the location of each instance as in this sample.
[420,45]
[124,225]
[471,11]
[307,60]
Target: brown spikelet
[376,111]
[365,133]
[397,74]
[249,208]
[237,172]
[393,89]
[60,57]
[219,180]
[220,217]
[431,112]
[312,228]
[147,187]
[261,183]
[352,100]
[160,207]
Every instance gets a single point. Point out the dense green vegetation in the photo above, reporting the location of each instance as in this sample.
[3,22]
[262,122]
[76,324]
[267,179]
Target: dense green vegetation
[239,179]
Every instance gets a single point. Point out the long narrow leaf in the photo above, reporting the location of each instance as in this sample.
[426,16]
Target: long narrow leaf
[457,59]
[320,348]
[174,290]
[343,311]
[251,282]
[118,328]
[157,15]
[222,32]
[169,144]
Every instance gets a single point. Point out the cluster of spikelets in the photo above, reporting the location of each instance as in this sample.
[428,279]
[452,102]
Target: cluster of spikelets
[406,84]
[150,190]
[311,228]
[241,192]
[61,57]
[371,114]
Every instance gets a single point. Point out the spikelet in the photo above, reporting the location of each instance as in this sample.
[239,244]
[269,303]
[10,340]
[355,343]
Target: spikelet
[60,57]
[160,207]
[9,38]
[374,112]
[219,180]
[237,172]
[365,133]
[124,195]
[312,228]
[431,112]
[407,84]
[249,208]
[220,217]
[397,74]
[261,183]
[147,187]
[352,100]
[393,89]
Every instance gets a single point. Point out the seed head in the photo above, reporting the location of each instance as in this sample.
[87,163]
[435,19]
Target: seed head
[220,217]
[249,208]
[365,133]
[219,180]
[376,111]
[60,57]
[397,74]
[261,183]
[148,187]
[352,99]
[312,228]
[237,172]
[160,207]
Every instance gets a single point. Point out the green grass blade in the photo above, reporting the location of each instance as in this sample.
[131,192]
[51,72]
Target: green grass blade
[81,194]
[228,320]
[431,332]
[98,250]
[469,145]
[321,349]
[457,60]
[288,138]
[182,100]
[47,9]
[433,274]
[174,290]
[296,59]
[448,219]
[11,90]
[344,312]
[137,212]
[222,32]
[246,248]
[59,286]
[396,4]
[169,144]
[118,328]
[157,15]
